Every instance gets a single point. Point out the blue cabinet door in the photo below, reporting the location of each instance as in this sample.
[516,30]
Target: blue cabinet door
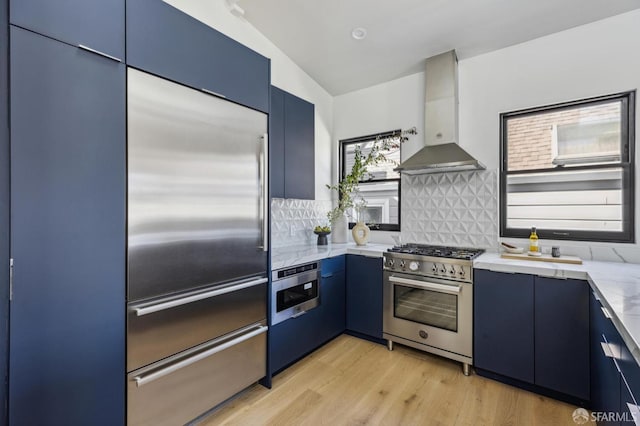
[604,375]
[276,143]
[503,324]
[67,355]
[4,207]
[333,303]
[628,409]
[292,339]
[562,336]
[165,41]
[299,136]
[97,24]
[364,295]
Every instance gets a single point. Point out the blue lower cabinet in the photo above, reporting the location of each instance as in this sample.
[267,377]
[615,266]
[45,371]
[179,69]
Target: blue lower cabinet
[503,324]
[562,336]
[605,377]
[364,295]
[67,324]
[628,406]
[333,297]
[533,332]
[294,338]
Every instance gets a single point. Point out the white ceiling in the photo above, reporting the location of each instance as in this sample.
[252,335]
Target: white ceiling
[316,34]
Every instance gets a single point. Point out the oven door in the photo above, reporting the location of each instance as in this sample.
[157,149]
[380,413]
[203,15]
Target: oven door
[429,311]
[294,296]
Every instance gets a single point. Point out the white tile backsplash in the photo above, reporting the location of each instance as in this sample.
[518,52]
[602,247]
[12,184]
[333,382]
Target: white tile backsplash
[292,221]
[455,208]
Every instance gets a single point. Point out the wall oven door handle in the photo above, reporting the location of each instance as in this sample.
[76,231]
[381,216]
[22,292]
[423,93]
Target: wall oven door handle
[425,285]
[144,379]
[168,304]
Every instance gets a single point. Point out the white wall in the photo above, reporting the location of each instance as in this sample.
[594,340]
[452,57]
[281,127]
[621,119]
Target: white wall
[284,73]
[398,104]
[589,60]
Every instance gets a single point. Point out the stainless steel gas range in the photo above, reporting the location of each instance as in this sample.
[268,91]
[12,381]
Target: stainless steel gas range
[428,299]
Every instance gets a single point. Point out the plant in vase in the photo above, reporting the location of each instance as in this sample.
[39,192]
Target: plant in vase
[348,191]
[360,231]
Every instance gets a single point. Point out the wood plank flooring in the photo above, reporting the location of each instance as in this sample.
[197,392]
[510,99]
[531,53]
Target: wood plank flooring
[351,381]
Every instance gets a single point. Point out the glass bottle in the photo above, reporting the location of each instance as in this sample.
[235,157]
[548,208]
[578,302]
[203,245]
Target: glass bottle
[533,240]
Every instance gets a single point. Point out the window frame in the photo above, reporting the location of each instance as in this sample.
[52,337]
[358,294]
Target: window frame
[627,164]
[361,139]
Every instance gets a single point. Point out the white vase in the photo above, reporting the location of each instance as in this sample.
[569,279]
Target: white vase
[360,233]
[340,229]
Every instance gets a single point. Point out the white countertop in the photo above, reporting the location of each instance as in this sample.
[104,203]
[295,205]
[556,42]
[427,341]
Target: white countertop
[283,257]
[617,285]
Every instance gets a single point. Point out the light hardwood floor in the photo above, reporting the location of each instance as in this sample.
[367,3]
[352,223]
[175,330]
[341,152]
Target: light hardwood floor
[351,381]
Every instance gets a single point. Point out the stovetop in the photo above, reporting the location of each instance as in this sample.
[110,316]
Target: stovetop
[461,253]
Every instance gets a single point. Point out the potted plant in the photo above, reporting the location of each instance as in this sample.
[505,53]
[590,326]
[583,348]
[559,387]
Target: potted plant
[349,196]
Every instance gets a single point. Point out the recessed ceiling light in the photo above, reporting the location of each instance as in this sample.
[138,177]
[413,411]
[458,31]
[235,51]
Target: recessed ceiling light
[359,33]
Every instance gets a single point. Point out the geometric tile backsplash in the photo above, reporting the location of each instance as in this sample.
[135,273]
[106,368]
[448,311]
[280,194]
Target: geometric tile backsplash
[455,208]
[292,221]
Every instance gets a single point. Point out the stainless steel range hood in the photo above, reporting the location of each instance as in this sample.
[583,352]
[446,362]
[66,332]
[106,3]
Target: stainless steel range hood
[441,152]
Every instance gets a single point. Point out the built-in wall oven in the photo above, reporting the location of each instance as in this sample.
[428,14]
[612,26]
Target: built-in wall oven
[295,291]
[428,300]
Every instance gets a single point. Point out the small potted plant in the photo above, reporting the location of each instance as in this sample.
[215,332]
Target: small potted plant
[322,232]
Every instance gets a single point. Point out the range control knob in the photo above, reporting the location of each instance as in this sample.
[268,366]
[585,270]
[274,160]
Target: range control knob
[461,272]
[390,262]
[443,269]
[402,263]
[452,271]
[414,266]
[434,268]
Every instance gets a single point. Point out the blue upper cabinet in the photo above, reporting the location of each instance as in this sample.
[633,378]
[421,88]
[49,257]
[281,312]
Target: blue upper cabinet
[68,155]
[167,42]
[292,138]
[96,24]
[276,142]
[299,137]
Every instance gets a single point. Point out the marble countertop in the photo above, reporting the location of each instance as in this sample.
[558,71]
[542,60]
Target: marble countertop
[617,285]
[283,257]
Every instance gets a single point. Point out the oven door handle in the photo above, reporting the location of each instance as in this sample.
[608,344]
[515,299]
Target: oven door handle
[425,285]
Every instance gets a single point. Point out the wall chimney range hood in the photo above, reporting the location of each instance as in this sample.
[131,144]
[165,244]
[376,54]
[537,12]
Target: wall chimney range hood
[441,152]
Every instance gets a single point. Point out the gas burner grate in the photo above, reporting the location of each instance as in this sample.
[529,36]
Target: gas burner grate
[438,251]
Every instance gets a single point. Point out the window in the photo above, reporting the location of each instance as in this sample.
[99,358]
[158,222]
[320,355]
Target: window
[381,190]
[568,170]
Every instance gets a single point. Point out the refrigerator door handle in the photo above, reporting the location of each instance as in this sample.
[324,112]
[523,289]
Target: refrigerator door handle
[142,380]
[264,193]
[156,307]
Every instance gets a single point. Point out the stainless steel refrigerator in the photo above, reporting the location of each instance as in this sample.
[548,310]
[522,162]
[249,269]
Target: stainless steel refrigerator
[197,257]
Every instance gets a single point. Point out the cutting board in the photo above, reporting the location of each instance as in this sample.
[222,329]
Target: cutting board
[544,258]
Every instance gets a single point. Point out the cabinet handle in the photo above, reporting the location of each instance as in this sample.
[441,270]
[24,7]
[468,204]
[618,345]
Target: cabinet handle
[606,312]
[97,52]
[326,276]
[299,314]
[211,92]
